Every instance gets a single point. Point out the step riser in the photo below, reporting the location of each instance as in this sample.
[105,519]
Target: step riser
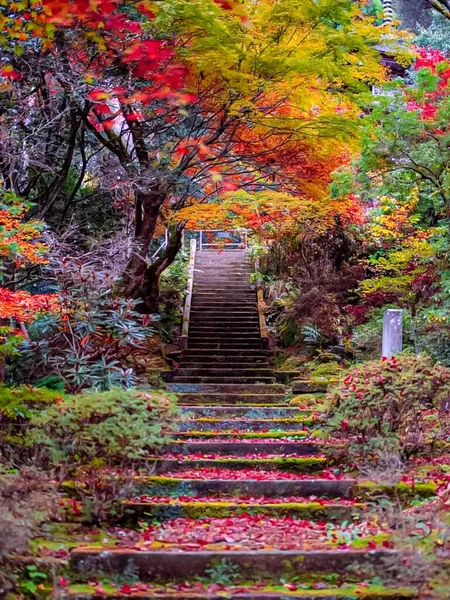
[169,566]
[236,352]
[237,344]
[243,448]
[198,301]
[236,464]
[260,412]
[199,400]
[214,335]
[301,488]
[224,372]
[238,426]
[275,388]
[165,512]
[214,379]
[218,327]
[201,361]
[230,316]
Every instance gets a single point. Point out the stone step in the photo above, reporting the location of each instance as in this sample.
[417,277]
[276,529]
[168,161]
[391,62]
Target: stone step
[225,371]
[221,326]
[197,591]
[232,336]
[242,448]
[218,379]
[201,345]
[226,435]
[242,425]
[301,508]
[231,273]
[241,307]
[294,464]
[225,316]
[220,335]
[223,399]
[224,344]
[205,315]
[231,366]
[220,296]
[233,352]
[225,287]
[230,388]
[245,411]
[160,565]
[275,388]
[231,302]
[254,488]
[227,388]
[198,344]
[223,360]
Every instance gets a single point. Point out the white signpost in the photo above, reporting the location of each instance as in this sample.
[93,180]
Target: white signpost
[392,333]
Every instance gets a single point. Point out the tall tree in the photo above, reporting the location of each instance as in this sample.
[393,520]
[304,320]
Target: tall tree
[182,109]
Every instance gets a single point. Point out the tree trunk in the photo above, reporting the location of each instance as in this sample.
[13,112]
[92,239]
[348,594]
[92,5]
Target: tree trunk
[150,283]
[148,205]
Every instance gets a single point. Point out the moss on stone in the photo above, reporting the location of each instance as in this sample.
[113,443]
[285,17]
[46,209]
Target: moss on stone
[196,510]
[426,489]
[244,434]
[346,592]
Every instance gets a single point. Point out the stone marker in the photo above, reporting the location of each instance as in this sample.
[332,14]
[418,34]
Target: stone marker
[392,333]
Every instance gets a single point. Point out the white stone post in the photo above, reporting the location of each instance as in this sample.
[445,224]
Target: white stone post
[392,332]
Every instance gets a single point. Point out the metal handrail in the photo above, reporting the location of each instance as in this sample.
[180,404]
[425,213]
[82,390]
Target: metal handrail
[243,232]
[189,290]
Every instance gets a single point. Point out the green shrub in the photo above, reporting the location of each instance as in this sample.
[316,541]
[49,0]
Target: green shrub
[388,398]
[94,428]
[18,403]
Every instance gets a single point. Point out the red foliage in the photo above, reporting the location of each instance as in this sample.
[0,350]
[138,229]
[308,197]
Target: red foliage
[23,306]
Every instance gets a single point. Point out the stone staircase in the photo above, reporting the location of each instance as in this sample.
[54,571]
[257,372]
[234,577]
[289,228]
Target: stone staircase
[243,503]
[224,343]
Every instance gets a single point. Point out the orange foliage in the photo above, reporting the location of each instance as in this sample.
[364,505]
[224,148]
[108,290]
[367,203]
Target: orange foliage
[25,307]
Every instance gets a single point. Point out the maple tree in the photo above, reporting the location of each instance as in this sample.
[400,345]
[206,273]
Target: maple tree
[401,177]
[20,246]
[212,96]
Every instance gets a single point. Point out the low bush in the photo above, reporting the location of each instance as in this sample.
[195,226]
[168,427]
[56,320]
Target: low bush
[117,427]
[388,399]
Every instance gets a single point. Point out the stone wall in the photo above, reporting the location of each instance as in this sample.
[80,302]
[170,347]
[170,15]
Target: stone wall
[413,12]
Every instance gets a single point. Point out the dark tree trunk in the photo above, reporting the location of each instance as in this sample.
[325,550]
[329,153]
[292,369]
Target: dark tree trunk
[150,283]
[148,205]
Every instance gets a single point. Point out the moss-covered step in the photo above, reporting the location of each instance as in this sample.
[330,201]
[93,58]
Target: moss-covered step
[306,386]
[242,435]
[243,424]
[168,485]
[296,464]
[163,565]
[153,508]
[198,591]
[240,448]
[368,490]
